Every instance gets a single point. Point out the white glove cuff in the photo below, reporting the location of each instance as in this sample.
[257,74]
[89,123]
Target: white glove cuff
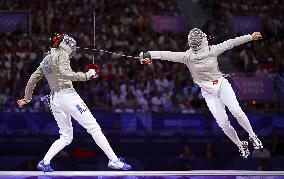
[91,74]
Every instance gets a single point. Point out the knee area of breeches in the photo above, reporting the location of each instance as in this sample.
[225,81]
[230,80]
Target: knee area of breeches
[68,137]
[237,112]
[94,129]
[224,124]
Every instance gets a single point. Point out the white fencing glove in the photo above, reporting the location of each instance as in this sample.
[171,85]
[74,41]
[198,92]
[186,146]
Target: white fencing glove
[91,74]
[93,71]
[145,58]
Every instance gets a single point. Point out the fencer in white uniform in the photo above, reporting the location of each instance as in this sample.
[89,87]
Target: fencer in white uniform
[201,60]
[65,102]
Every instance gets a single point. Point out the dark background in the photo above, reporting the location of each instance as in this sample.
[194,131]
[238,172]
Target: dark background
[153,115]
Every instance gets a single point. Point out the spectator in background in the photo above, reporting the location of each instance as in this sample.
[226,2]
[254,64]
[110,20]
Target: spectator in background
[129,33]
[248,57]
[166,99]
[156,101]
[142,103]
[117,100]
[186,107]
[84,152]
[130,103]
[24,52]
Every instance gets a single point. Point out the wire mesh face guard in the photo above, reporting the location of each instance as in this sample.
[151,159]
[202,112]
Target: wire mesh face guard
[71,43]
[195,38]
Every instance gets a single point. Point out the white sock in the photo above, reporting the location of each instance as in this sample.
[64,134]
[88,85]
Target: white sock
[57,146]
[232,134]
[102,142]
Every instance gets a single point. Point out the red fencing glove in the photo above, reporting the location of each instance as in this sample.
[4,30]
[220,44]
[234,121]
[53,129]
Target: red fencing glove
[92,66]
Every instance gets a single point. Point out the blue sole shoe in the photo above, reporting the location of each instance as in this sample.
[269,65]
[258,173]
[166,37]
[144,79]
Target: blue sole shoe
[45,168]
[119,165]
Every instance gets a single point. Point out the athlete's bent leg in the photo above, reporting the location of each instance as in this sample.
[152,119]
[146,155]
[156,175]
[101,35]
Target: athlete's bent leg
[228,97]
[87,120]
[80,112]
[217,109]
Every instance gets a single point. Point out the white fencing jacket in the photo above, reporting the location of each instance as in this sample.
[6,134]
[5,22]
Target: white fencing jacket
[203,63]
[56,69]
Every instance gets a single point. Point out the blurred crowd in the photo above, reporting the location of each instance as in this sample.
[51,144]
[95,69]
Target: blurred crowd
[121,26]
[259,58]
[124,27]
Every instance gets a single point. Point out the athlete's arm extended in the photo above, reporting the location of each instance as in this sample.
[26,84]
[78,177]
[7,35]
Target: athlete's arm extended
[163,55]
[35,77]
[228,44]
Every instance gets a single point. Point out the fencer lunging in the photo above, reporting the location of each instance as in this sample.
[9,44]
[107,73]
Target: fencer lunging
[65,102]
[201,59]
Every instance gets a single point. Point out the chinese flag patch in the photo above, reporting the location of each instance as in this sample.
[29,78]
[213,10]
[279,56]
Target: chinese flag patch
[215,82]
